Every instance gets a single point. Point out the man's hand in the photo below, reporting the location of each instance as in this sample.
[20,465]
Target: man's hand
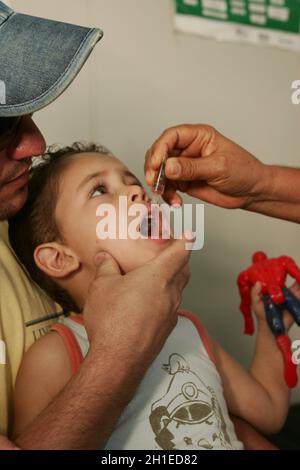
[206,165]
[130,316]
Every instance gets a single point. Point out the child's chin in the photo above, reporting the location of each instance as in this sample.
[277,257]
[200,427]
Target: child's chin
[150,252]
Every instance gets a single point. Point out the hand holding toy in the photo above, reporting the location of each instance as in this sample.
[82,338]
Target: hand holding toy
[272,273]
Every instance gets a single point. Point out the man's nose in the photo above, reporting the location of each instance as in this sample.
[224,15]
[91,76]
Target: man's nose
[28,141]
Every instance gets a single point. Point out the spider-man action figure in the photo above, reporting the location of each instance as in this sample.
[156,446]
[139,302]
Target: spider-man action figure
[272,273]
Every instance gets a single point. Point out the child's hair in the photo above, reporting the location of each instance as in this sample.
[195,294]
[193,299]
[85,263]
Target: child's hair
[35,223]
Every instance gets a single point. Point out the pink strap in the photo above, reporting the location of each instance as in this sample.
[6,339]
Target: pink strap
[77,319]
[201,330]
[75,354]
[71,343]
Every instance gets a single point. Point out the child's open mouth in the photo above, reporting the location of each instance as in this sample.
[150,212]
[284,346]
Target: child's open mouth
[153,224]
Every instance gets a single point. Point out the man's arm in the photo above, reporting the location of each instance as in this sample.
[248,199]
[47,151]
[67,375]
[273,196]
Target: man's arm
[209,166]
[83,415]
[281,195]
[41,385]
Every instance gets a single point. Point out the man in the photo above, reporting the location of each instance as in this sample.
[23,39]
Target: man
[39,58]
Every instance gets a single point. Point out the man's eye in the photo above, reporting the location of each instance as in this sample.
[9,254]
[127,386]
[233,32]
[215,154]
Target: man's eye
[98,191]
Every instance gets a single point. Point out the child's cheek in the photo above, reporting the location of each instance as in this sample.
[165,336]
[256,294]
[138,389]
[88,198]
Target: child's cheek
[128,254]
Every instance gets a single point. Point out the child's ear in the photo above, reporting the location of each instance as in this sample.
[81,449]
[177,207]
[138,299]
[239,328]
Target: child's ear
[56,260]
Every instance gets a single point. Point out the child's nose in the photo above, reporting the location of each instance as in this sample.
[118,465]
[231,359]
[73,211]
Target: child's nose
[137,194]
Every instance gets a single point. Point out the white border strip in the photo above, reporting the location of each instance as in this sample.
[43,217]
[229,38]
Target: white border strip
[2,352]
[226,31]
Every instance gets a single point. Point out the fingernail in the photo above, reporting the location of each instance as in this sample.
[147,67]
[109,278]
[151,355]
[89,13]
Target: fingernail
[176,205]
[173,168]
[189,235]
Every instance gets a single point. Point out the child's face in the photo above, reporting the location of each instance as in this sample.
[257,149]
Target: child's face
[87,181]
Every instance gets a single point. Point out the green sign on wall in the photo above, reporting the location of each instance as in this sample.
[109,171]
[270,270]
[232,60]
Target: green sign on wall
[270,21]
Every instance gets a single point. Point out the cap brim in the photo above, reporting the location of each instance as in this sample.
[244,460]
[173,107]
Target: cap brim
[39,59]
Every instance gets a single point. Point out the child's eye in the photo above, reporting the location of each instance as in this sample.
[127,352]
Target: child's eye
[98,191]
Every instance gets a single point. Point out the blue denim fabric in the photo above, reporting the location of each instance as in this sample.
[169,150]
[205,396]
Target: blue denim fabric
[39,58]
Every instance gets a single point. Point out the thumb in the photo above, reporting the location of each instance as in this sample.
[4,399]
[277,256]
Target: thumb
[172,260]
[189,169]
[255,292]
[106,265]
[295,289]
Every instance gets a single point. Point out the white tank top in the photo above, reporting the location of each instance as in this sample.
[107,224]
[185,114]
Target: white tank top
[179,403]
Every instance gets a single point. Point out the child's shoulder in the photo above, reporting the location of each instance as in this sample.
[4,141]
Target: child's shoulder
[44,372]
[46,361]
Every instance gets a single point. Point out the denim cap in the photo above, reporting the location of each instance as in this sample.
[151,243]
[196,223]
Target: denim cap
[39,58]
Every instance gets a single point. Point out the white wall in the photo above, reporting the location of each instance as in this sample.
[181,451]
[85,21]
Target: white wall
[142,78]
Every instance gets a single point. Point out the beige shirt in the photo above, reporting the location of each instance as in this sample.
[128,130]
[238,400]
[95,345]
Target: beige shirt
[26,313]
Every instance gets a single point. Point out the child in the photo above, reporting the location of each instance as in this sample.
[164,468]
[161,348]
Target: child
[188,391]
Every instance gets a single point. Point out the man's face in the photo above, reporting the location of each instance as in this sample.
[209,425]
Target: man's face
[15,160]
[87,181]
